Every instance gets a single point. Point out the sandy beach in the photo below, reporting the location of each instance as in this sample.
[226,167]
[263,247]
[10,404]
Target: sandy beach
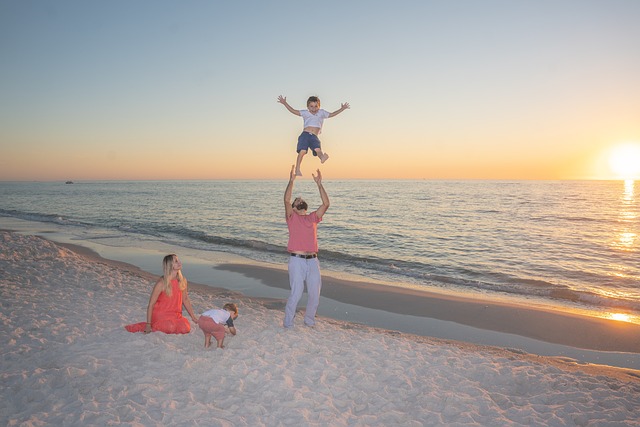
[67,360]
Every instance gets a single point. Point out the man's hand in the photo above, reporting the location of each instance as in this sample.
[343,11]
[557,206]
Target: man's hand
[292,174]
[318,178]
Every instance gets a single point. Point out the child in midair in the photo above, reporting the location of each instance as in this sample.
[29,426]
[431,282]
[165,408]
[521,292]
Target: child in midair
[313,118]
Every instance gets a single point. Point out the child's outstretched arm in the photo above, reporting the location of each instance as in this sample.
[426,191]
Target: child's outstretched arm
[283,100]
[344,106]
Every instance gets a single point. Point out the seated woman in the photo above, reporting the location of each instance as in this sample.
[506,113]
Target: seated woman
[164,312]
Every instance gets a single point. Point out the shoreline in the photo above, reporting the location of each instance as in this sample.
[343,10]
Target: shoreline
[584,332]
[268,275]
[423,313]
[566,328]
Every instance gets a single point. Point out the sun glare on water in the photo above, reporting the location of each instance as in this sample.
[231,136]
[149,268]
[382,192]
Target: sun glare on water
[620,316]
[625,161]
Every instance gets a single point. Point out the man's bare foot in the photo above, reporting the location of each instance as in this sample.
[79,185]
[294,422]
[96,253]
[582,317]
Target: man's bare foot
[324,158]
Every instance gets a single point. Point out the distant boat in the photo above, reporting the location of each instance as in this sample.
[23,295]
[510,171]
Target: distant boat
[69,182]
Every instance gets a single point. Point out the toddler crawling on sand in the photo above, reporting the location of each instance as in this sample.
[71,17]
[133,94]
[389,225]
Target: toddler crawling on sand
[213,322]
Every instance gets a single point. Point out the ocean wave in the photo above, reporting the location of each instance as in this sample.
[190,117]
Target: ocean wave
[39,217]
[578,219]
[188,234]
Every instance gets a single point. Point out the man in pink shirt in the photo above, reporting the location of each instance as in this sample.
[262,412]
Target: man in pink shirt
[304,267]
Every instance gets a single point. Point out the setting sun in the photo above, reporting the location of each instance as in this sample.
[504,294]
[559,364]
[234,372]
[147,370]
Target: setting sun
[625,161]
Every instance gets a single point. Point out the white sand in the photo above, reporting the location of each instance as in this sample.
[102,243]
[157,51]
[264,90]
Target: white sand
[67,360]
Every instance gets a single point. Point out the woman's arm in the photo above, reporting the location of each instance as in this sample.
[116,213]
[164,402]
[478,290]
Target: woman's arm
[187,304]
[152,302]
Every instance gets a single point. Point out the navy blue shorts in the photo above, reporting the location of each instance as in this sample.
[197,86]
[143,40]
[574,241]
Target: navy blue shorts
[308,140]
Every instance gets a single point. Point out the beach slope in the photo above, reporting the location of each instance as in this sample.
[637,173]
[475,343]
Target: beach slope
[553,326]
[67,360]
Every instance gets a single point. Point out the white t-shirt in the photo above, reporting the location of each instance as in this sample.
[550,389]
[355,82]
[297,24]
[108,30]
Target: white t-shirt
[218,316]
[314,120]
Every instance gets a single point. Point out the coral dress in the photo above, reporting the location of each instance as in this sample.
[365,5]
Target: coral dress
[167,314]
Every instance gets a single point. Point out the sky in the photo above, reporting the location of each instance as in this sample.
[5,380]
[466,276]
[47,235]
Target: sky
[460,89]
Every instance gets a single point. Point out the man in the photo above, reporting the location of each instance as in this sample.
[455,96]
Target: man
[304,266]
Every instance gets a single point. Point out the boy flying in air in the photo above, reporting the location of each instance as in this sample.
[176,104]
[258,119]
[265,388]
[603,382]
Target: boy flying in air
[313,118]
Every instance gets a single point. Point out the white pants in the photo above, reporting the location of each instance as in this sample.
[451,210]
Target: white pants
[303,271]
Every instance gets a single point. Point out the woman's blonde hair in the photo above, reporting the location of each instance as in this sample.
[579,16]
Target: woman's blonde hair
[167,268]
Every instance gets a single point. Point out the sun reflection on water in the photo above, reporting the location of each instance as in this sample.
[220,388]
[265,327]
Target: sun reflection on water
[622,317]
[627,195]
[627,237]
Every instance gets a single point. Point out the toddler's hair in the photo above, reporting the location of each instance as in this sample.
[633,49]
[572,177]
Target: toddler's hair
[313,99]
[230,307]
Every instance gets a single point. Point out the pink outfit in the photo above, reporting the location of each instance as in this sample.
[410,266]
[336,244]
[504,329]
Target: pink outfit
[167,314]
[302,232]
[211,328]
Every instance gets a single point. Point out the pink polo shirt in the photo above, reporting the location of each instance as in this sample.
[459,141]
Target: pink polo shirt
[303,235]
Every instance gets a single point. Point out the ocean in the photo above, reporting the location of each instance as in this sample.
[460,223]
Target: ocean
[569,244]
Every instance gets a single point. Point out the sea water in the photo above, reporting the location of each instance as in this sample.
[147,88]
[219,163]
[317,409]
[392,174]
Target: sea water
[568,243]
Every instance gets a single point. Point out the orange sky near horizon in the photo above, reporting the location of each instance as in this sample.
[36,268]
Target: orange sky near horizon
[470,162]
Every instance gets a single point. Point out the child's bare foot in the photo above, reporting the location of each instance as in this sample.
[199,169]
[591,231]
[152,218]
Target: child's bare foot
[324,158]
[298,173]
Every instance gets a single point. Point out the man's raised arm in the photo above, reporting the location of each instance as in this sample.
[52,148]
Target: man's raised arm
[323,195]
[287,193]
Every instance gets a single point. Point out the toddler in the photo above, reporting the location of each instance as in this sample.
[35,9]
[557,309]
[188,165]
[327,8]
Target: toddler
[212,323]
